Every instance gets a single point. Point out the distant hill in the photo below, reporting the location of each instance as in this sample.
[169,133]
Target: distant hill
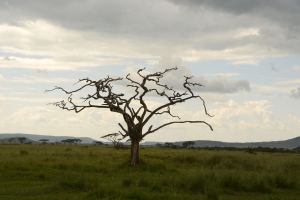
[36,138]
[286,144]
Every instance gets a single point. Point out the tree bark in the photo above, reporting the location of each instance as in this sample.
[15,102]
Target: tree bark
[135,157]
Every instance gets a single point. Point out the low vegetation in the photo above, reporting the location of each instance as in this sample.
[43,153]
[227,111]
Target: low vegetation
[100,172]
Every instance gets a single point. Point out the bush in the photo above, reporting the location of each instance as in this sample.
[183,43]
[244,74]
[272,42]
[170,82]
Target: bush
[212,193]
[157,187]
[23,152]
[103,193]
[78,184]
[232,181]
[127,182]
[284,181]
[190,159]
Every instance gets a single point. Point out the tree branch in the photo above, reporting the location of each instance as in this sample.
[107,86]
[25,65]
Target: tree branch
[178,122]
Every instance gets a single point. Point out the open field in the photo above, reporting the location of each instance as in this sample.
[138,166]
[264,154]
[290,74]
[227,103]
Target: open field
[94,172]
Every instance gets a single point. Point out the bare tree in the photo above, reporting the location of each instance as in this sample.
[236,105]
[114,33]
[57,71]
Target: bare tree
[135,119]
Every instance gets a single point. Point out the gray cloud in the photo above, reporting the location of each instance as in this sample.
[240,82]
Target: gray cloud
[7,58]
[42,71]
[216,85]
[273,68]
[295,93]
[222,85]
[173,25]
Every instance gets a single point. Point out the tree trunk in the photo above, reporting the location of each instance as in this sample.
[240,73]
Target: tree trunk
[135,157]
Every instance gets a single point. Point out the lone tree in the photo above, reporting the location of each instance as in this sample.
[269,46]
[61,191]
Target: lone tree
[77,141]
[70,141]
[135,119]
[10,140]
[188,143]
[113,138]
[96,143]
[22,139]
[43,141]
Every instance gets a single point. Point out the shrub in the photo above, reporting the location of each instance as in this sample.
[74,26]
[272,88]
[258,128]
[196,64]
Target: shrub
[214,160]
[103,193]
[23,152]
[80,183]
[190,159]
[260,184]
[127,182]
[284,181]
[212,193]
[231,180]
[157,187]
[250,150]
[143,182]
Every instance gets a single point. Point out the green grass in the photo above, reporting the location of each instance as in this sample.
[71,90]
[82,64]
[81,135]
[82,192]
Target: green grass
[93,172]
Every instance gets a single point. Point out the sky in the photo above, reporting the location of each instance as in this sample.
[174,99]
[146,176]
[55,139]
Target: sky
[245,53]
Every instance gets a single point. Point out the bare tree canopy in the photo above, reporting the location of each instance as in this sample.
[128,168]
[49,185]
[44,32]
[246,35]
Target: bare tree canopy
[135,119]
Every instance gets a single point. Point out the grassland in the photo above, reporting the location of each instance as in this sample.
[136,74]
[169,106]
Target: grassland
[92,172]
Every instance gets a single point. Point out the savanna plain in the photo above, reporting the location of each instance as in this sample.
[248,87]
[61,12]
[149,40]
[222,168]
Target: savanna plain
[83,172]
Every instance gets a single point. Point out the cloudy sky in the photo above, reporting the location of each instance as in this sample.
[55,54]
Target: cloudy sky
[245,53]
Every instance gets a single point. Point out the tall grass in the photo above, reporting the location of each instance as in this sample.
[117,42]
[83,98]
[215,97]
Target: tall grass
[93,172]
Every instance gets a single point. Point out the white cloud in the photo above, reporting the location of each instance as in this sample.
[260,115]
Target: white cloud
[227,74]
[294,119]
[41,120]
[28,116]
[58,63]
[270,88]
[252,61]
[297,68]
[287,82]
[2,98]
[247,32]
[34,79]
[2,79]
[32,100]
[248,115]
[232,121]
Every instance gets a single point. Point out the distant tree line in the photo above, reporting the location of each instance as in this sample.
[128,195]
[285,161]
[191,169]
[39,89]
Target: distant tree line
[251,150]
[97,143]
[24,140]
[170,145]
[71,141]
[113,138]
[21,140]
